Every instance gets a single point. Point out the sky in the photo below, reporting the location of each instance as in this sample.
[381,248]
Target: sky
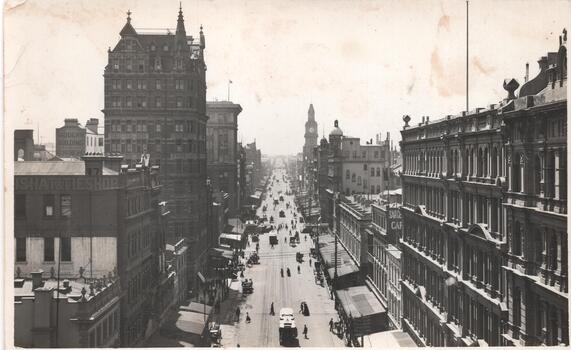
[365,63]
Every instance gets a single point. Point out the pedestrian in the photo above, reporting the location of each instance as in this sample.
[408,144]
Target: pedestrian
[331,325]
[272,309]
[238,313]
[248,319]
[309,261]
[301,307]
[305,331]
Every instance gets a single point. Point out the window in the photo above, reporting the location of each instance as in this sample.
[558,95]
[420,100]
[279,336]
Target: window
[129,65]
[165,48]
[372,171]
[364,166]
[65,202]
[20,249]
[347,175]
[153,47]
[49,205]
[20,206]
[158,102]
[376,154]
[65,248]
[158,128]
[516,307]
[158,84]
[179,102]
[358,180]
[158,63]
[49,249]
[128,101]
[129,84]
[353,177]
[378,171]
[516,239]
[141,66]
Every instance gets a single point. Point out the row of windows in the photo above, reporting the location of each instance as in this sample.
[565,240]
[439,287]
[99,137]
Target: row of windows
[188,147]
[138,242]
[49,208]
[143,102]
[159,84]
[49,249]
[140,126]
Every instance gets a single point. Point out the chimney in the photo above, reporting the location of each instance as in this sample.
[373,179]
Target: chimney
[427,118]
[526,72]
[37,279]
[388,135]
[422,119]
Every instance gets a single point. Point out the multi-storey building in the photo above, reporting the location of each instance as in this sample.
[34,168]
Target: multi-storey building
[71,139]
[384,257]
[78,313]
[365,166]
[535,133]
[476,270]
[354,214]
[222,149]
[155,105]
[93,139]
[88,219]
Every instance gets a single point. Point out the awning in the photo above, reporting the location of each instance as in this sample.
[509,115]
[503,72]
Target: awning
[367,313]
[389,339]
[231,236]
[196,307]
[348,273]
[221,253]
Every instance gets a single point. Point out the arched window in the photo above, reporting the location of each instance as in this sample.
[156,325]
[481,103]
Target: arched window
[378,171]
[480,163]
[516,239]
[347,174]
[494,168]
[553,252]
[353,177]
[485,161]
[516,168]
[537,175]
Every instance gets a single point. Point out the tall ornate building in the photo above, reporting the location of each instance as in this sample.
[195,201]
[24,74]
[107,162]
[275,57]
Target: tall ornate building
[537,278]
[222,149]
[155,104]
[484,219]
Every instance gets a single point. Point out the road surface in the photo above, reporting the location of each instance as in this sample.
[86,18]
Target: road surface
[270,287]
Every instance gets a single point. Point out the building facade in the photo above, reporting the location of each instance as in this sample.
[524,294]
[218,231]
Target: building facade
[91,219]
[384,257]
[87,313]
[155,105]
[71,139]
[537,278]
[477,267]
[222,150]
[365,167]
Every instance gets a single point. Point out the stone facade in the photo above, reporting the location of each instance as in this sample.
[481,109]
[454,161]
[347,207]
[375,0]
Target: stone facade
[477,270]
[155,105]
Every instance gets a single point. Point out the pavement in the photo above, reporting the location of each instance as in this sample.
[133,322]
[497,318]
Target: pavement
[269,286]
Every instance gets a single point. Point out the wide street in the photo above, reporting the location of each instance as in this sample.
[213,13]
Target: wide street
[285,291]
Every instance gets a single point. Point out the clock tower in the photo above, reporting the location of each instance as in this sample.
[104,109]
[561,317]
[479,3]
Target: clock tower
[310,136]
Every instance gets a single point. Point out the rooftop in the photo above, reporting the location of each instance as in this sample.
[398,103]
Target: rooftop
[77,290]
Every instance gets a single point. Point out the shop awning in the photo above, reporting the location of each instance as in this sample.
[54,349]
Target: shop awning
[365,310]
[231,236]
[221,253]
[389,339]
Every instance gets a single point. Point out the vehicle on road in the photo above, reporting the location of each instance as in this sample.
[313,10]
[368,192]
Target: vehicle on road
[299,257]
[281,198]
[288,329]
[282,214]
[273,239]
[292,242]
[247,286]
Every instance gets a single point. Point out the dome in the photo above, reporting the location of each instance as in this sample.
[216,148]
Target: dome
[336,131]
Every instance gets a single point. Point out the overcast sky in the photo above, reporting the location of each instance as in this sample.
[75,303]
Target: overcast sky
[365,63]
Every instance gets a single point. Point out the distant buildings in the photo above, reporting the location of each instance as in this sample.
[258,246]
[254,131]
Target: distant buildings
[222,150]
[155,104]
[73,140]
[90,220]
[484,219]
